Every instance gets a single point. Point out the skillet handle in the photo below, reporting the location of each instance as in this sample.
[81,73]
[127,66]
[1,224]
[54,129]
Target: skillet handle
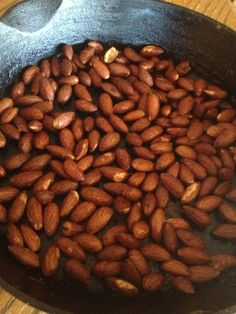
[28,16]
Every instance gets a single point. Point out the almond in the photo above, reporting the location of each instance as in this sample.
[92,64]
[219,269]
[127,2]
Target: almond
[50,218]
[157,223]
[162,196]
[173,185]
[225,138]
[44,182]
[17,208]
[82,211]
[155,252]
[208,185]
[63,186]
[24,255]
[169,238]
[114,173]
[69,202]
[31,238]
[109,141]
[97,196]
[89,242]
[182,284]
[63,120]
[123,158]
[149,203]
[198,170]
[101,69]
[14,236]
[164,161]
[122,286]
[193,256]
[222,261]
[190,239]
[85,106]
[228,213]
[70,228]
[76,270]
[191,193]
[186,175]
[82,92]
[109,237]
[73,171]
[175,267]
[34,213]
[127,240]
[71,248]
[25,178]
[99,219]
[38,162]
[202,273]
[113,252]
[225,231]
[153,281]
[208,202]
[106,269]
[50,261]
[198,216]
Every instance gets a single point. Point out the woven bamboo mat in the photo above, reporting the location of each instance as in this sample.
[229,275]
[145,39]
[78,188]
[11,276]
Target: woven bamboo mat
[223,11]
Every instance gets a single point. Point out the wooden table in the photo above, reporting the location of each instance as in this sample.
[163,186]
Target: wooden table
[223,11]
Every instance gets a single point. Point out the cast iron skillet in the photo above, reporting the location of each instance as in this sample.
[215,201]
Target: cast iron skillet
[33,30]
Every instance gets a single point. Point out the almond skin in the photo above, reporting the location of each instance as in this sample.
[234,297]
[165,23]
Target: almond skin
[113,252]
[190,239]
[97,196]
[89,242]
[99,219]
[109,237]
[25,179]
[157,223]
[17,208]
[14,236]
[24,256]
[50,218]
[153,281]
[173,185]
[106,269]
[182,284]
[202,273]
[69,202]
[225,231]
[31,238]
[192,256]
[155,252]
[77,271]
[175,267]
[198,216]
[34,213]
[71,248]
[50,261]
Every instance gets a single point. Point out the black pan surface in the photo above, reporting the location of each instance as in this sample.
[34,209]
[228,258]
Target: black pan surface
[33,30]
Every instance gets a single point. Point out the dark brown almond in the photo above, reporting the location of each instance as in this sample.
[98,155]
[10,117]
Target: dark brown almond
[63,186]
[109,237]
[60,152]
[34,213]
[182,284]
[25,178]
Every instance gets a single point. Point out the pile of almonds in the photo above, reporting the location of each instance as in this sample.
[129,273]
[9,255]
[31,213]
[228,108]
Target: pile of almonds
[139,132]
